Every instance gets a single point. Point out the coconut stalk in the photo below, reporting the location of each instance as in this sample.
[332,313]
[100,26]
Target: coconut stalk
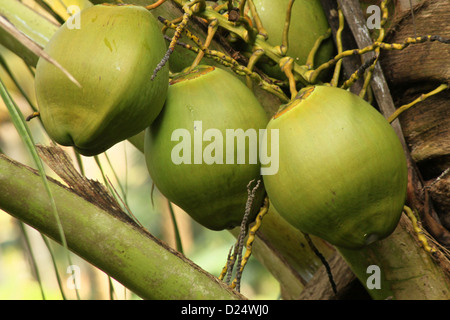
[400,268]
[108,240]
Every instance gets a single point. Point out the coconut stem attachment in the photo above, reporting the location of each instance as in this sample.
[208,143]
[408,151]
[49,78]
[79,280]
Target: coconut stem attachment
[422,97]
[358,73]
[283,48]
[418,230]
[238,247]
[286,66]
[310,60]
[381,35]
[33,115]
[258,53]
[259,25]
[242,7]
[249,246]
[313,75]
[212,28]
[227,61]
[155,5]
[188,12]
[337,69]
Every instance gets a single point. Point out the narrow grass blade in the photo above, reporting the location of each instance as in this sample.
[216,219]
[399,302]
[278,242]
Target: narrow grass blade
[179,245]
[55,267]
[32,258]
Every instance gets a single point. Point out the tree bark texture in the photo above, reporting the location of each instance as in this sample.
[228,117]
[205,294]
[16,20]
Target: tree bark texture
[412,72]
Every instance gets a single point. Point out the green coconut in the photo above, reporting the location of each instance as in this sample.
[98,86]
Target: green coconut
[112,54]
[202,150]
[342,170]
[308,23]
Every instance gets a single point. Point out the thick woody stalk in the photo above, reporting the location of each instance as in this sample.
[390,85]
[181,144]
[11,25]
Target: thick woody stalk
[121,249]
[399,268]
